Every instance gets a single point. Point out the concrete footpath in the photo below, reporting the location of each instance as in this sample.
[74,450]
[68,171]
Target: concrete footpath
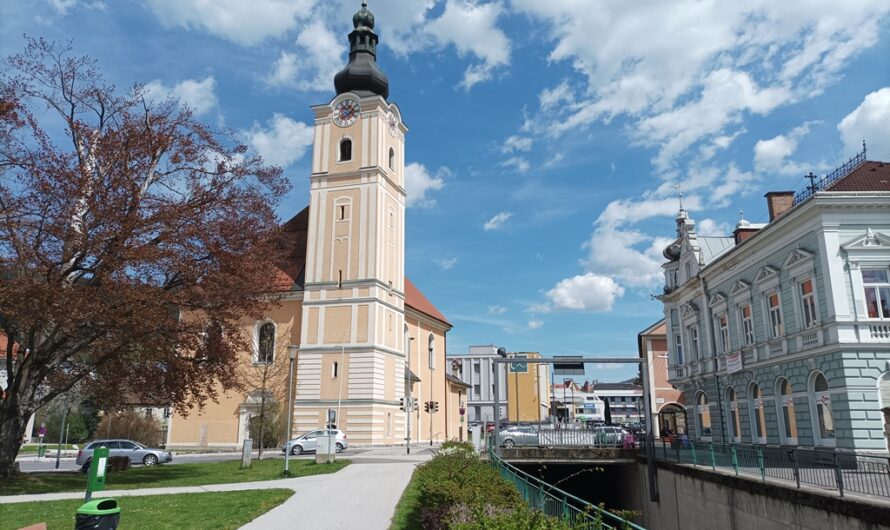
[362,495]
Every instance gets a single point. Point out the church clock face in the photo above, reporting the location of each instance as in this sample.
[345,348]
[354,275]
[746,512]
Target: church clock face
[346,112]
[393,124]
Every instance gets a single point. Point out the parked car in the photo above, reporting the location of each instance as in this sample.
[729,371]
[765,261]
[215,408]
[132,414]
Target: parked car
[610,434]
[307,442]
[519,435]
[136,452]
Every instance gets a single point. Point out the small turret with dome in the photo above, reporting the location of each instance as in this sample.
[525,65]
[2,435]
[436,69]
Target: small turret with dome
[362,75]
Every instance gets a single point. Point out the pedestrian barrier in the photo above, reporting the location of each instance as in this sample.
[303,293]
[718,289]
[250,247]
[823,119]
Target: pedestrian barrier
[840,472]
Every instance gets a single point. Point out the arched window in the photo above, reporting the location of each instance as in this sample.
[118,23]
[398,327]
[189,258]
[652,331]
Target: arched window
[820,408]
[732,415]
[431,352]
[758,416]
[345,150]
[392,159]
[702,415]
[266,343]
[785,411]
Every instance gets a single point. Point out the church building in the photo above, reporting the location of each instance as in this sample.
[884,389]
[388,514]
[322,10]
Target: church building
[364,338]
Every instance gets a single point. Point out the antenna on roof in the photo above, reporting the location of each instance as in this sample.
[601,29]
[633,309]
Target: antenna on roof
[679,194]
[863,148]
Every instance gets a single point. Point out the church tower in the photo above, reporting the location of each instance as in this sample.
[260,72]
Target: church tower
[352,350]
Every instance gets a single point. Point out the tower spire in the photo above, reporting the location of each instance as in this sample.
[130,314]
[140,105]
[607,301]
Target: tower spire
[362,75]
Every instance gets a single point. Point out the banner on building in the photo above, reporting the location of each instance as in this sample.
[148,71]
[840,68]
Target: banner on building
[734,362]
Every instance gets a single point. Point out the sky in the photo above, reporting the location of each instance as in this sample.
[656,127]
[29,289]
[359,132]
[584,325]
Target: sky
[548,141]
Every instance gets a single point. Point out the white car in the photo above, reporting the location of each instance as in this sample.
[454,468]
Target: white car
[307,442]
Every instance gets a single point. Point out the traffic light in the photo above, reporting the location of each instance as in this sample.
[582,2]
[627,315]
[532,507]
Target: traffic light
[435,406]
[414,405]
[401,403]
[426,406]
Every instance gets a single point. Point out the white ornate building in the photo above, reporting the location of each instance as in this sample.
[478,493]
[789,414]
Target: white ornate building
[780,334]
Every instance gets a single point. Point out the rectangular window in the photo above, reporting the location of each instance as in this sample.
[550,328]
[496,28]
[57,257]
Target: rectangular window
[877,292]
[693,342]
[680,359]
[747,324]
[808,303]
[723,325]
[476,367]
[335,370]
[775,315]
[477,390]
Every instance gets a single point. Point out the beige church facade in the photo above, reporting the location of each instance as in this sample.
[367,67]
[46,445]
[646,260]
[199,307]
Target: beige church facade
[363,335]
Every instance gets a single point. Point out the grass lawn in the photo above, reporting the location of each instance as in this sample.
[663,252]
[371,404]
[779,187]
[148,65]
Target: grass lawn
[50,448]
[406,516]
[195,511]
[168,475]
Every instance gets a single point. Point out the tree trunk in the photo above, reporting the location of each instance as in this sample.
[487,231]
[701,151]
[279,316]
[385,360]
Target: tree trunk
[13,421]
[262,423]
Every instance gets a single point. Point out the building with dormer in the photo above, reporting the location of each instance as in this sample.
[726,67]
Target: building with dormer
[779,335]
[364,338]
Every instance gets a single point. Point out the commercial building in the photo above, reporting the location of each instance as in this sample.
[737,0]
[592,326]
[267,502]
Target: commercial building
[780,333]
[522,386]
[590,400]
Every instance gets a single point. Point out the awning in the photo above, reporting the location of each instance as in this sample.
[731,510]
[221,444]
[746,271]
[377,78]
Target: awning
[411,376]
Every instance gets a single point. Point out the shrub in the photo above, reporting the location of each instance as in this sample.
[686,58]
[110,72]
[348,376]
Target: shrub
[131,425]
[520,518]
[457,481]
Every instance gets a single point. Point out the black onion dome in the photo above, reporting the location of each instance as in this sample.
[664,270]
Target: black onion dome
[362,75]
[672,251]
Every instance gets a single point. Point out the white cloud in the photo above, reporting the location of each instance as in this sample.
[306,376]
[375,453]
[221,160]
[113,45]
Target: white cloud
[317,56]
[629,256]
[497,222]
[586,292]
[199,96]
[631,211]
[236,20]
[419,182]
[496,310]
[535,324]
[700,67]
[870,121]
[447,263]
[517,143]
[282,142]
[472,28]
[63,6]
[519,163]
[710,227]
[770,155]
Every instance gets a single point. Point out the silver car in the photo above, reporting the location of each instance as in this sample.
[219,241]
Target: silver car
[519,435]
[136,452]
[307,442]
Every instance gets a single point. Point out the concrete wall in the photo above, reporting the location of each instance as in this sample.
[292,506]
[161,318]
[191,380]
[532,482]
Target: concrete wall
[691,498]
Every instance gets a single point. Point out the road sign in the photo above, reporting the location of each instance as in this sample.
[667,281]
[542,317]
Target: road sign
[568,365]
[519,368]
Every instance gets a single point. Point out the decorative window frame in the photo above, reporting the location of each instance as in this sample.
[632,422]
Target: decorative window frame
[767,282]
[871,251]
[741,296]
[734,429]
[753,404]
[698,411]
[780,406]
[800,265]
[813,399]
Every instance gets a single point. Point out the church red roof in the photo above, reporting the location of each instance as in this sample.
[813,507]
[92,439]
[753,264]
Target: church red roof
[415,299]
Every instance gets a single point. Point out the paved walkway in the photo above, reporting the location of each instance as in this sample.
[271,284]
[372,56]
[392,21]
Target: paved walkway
[362,495]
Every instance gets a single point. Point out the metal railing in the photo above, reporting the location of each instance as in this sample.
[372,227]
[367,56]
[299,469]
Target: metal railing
[547,436]
[838,173]
[840,472]
[554,502]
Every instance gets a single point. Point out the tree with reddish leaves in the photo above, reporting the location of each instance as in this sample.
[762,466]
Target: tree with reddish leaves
[133,238]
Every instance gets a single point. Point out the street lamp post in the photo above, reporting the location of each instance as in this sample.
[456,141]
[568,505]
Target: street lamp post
[292,351]
[409,402]
[432,394]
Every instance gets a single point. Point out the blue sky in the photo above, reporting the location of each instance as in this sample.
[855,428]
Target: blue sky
[547,139]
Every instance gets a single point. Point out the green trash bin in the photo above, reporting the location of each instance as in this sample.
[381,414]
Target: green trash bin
[100,514]
[41,451]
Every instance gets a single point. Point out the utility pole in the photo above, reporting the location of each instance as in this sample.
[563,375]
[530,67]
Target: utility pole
[432,394]
[409,402]
[64,420]
[292,351]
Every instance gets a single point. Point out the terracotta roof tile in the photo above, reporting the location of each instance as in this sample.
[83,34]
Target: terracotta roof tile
[870,176]
[415,299]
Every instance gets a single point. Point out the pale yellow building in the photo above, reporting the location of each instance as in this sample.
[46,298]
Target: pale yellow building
[528,384]
[365,337]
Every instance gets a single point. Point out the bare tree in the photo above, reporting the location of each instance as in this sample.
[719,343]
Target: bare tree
[117,216]
[265,380]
